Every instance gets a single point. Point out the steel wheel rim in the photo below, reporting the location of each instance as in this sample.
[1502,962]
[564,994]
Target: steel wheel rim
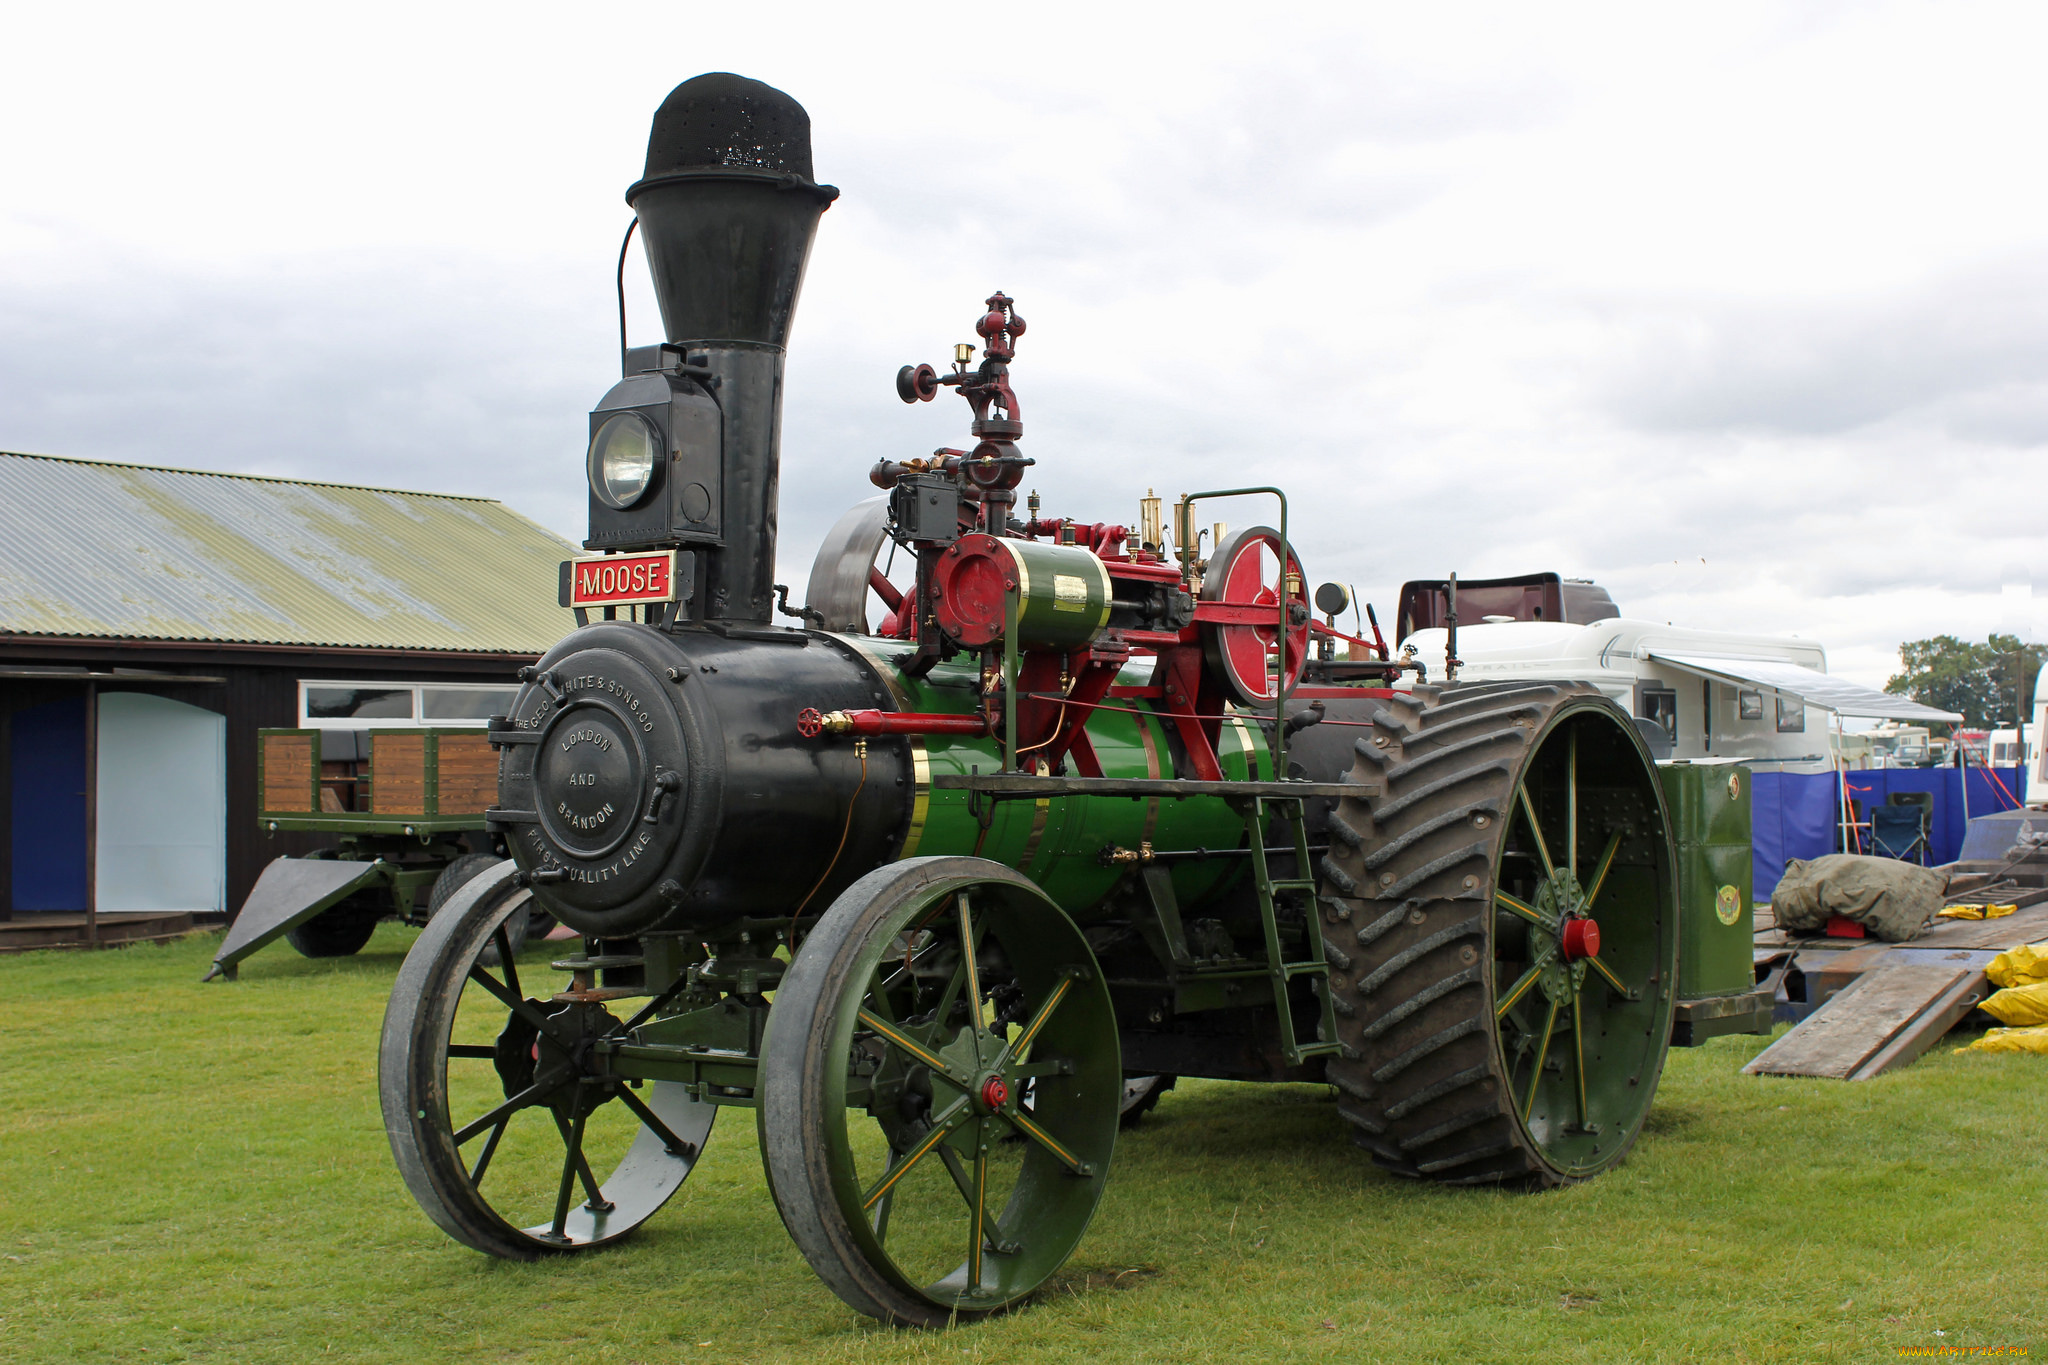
[1021,1239]
[465,1110]
[1582,1019]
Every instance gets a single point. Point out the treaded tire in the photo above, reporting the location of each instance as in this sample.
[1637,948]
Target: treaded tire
[1430,1078]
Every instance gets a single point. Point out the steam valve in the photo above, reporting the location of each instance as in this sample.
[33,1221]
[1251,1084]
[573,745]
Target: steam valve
[917,383]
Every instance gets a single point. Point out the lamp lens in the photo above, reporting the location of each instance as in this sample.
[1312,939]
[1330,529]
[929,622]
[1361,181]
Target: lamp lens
[622,459]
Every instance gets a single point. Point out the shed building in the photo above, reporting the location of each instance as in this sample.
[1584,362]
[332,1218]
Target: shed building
[152,619]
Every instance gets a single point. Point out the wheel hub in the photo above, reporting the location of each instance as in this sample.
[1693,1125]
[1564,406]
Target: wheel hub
[994,1093]
[569,1050]
[1580,939]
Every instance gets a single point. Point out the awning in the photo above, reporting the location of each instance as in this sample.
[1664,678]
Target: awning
[1809,685]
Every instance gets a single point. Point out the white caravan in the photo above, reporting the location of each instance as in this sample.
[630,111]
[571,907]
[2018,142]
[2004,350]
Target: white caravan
[1767,700]
[2004,746]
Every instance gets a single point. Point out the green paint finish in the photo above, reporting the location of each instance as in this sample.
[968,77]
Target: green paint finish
[1062,594]
[1058,842]
[1710,813]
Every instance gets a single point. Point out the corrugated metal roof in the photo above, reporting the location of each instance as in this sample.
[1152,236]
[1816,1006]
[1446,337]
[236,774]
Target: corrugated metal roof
[138,552]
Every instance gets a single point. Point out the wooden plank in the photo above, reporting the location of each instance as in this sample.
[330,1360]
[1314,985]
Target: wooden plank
[288,773]
[64,930]
[1856,1023]
[1929,1028]
[2026,926]
[398,774]
[469,774]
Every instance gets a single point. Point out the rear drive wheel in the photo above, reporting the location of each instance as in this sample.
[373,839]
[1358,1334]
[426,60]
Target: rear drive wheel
[1504,935]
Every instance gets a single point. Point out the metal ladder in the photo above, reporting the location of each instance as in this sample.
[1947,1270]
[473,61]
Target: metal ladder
[1279,971]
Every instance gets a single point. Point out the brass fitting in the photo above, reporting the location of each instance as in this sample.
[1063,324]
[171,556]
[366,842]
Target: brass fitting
[1124,856]
[835,723]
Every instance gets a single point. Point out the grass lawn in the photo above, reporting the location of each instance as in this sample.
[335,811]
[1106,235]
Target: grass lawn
[199,1173]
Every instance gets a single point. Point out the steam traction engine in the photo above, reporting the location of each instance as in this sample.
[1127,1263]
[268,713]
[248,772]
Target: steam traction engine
[942,879]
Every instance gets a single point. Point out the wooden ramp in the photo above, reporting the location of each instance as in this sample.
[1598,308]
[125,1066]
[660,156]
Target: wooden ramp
[1902,1002]
[1883,1019]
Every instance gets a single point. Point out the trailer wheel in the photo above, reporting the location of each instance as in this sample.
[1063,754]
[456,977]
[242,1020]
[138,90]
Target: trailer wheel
[1502,931]
[498,1116]
[535,923]
[899,1151]
[340,930]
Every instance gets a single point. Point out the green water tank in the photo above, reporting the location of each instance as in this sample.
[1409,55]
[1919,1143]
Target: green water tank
[1709,804]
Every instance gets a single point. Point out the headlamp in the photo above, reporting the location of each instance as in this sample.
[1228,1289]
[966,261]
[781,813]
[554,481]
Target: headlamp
[622,458]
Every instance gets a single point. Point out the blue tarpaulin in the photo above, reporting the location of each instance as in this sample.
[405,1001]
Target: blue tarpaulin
[1793,815]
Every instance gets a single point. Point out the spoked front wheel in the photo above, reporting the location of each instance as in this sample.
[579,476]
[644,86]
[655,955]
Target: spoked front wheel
[497,1113]
[907,1166]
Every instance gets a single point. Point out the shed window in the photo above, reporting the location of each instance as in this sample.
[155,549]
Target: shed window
[439,704]
[329,702]
[340,705]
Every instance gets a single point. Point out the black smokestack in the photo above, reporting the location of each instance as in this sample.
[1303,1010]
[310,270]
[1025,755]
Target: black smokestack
[727,211]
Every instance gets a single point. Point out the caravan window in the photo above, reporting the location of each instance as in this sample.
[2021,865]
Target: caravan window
[1659,704]
[1749,705]
[1791,714]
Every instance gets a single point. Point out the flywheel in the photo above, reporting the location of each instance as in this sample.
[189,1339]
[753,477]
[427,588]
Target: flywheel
[1505,934]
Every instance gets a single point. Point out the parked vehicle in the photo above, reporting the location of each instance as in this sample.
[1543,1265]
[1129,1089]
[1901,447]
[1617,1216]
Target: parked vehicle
[406,811]
[1764,699]
[925,879]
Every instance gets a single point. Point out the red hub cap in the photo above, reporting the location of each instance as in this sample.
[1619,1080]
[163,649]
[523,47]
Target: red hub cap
[994,1093]
[1581,939]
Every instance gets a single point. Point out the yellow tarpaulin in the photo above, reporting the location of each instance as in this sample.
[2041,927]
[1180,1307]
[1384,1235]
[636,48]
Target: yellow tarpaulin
[2011,1040]
[2022,1006]
[1976,912]
[2021,966]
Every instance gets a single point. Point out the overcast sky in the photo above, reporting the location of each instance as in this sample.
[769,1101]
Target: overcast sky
[1740,310]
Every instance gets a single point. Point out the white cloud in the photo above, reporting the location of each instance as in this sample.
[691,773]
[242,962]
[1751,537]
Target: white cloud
[1735,309]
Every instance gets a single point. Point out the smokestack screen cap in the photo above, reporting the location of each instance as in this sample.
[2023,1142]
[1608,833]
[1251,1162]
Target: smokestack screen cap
[727,125]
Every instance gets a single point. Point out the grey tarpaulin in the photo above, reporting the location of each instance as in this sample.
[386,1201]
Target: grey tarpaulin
[1890,898]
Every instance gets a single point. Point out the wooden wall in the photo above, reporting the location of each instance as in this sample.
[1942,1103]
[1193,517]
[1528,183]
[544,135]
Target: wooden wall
[260,691]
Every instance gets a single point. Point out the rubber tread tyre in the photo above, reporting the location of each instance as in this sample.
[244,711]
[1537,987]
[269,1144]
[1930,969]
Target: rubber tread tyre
[1408,891]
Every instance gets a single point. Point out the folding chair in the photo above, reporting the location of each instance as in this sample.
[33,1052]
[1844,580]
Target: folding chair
[1899,832]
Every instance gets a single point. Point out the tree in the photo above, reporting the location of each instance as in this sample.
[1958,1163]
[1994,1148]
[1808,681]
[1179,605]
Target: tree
[1989,684]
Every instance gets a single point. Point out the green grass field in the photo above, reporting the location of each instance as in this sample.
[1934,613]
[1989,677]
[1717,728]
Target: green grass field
[199,1173]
